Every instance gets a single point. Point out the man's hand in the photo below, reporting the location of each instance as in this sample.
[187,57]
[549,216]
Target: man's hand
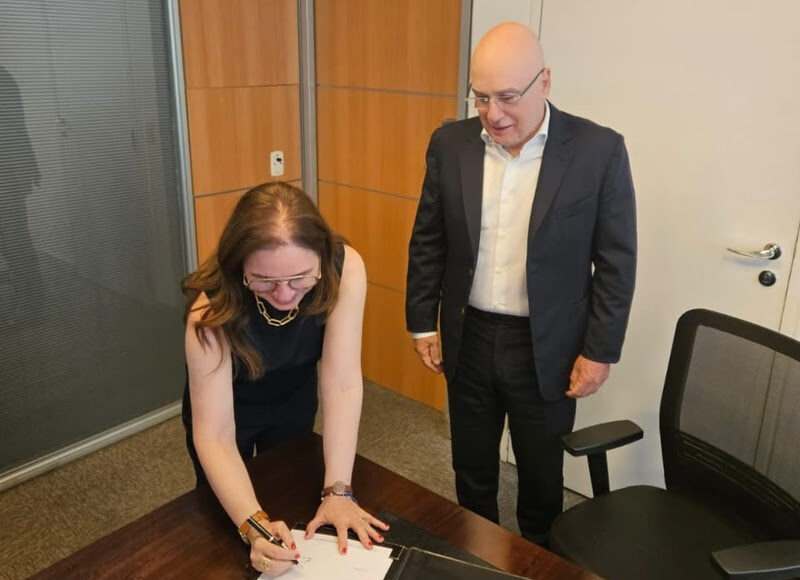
[587,376]
[428,350]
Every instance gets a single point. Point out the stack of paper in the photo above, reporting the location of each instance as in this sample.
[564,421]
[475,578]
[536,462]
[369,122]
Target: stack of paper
[321,560]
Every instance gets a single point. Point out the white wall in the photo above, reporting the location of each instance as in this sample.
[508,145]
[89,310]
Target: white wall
[488,13]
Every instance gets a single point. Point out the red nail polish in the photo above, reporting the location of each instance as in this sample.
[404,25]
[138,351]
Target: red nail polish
[294,546]
[344,550]
[380,538]
[369,544]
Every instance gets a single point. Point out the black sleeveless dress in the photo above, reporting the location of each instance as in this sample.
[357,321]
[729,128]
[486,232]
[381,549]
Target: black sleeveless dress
[282,403]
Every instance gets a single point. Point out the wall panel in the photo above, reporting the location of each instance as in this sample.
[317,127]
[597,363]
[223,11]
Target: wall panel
[405,46]
[377,225]
[237,43]
[377,140]
[388,357]
[233,130]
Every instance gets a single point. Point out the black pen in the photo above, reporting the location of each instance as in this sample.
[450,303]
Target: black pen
[268,536]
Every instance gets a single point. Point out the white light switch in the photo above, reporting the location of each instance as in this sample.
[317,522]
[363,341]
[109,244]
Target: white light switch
[276,163]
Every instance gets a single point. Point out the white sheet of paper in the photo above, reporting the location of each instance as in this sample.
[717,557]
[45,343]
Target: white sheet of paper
[326,563]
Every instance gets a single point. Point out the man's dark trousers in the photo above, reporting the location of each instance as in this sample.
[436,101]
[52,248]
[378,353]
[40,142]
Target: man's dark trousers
[495,375]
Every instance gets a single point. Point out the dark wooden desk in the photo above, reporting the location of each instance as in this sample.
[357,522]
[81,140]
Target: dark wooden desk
[191,537]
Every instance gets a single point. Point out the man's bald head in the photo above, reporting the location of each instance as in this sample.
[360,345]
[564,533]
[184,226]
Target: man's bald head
[509,45]
[505,62]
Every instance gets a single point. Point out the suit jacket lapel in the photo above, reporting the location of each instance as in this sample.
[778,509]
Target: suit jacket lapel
[471,166]
[557,155]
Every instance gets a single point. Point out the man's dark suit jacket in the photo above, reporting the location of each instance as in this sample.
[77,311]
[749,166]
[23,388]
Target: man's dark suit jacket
[583,216]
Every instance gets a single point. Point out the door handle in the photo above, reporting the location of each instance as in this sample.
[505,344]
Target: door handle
[771,251]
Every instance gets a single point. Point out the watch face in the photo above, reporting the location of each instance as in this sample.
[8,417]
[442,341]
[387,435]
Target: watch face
[339,488]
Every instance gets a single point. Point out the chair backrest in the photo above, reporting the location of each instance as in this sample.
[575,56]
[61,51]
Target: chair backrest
[730,418]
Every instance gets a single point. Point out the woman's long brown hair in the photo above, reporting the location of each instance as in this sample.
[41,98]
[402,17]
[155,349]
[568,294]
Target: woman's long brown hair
[268,216]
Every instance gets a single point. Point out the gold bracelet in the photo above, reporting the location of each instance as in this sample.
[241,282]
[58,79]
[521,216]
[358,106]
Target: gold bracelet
[245,527]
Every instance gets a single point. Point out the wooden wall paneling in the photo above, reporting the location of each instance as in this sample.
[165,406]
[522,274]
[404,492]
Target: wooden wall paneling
[387,75]
[238,43]
[376,140]
[388,356]
[211,213]
[376,224]
[233,130]
[410,46]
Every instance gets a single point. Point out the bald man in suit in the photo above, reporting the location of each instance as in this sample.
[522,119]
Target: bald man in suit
[524,251]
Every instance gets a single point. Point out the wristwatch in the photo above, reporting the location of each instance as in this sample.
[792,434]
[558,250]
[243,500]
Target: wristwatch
[340,489]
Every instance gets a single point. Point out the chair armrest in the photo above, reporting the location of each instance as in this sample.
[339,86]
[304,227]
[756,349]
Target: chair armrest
[602,437]
[766,560]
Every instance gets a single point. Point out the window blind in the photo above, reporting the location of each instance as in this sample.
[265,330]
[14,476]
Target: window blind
[90,229]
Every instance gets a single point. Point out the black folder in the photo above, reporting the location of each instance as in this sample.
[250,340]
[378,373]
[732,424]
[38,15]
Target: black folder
[428,557]
[416,564]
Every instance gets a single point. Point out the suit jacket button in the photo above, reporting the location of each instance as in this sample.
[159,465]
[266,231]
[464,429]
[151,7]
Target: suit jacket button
[463,311]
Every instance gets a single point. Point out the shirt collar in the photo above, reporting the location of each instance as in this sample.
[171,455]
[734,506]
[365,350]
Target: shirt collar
[539,138]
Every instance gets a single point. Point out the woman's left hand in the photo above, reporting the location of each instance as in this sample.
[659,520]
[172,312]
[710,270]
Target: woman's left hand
[343,513]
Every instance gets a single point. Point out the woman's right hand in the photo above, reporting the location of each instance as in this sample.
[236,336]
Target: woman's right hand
[268,558]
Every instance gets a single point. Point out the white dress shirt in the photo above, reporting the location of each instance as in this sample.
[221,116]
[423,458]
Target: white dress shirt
[509,183]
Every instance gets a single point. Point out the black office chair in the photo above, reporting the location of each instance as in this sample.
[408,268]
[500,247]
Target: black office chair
[730,438]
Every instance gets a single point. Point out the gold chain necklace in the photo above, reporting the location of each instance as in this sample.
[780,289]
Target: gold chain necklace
[276,321]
